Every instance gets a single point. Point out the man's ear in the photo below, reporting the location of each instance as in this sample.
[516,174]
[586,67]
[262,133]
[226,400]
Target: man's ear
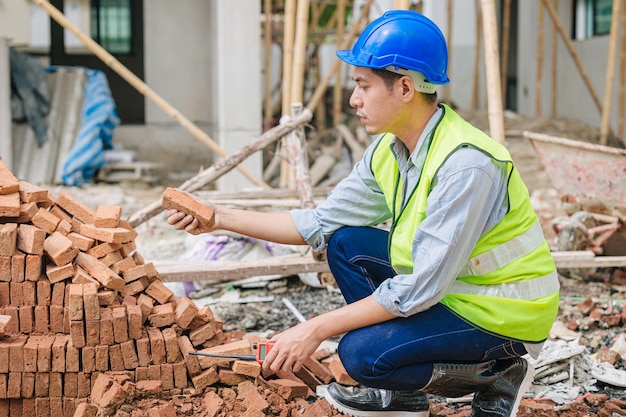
[408,90]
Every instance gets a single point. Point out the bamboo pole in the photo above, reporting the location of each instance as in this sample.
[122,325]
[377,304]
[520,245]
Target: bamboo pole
[141,86]
[401,4]
[494,93]
[622,79]
[477,53]
[224,165]
[338,88]
[446,88]
[539,73]
[267,11]
[288,37]
[288,45]
[321,88]
[610,74]
[504,61]
[555,73]
[574,55]
[300,47]
[299,162]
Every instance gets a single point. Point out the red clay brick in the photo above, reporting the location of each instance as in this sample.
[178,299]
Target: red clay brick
[106,327]
[116,359]
[75,208]
[30,353]
[5,297]
[193,365]
[27,211]
[159,292]
[8,182]
[29,293]
[83,243]
[162,315]
[157,345]
[106,234]
[70,384]
[34,269]
[91,304]
[92,332]
[102,358]
[88,356]
[58,353]
[186,310]
[108,216]
[30,239]
[56,319]
[8,239]
[30,193]
[42,384]
[17,294]
[99,271]
[173,198]
[18,267]
[57,273]
[129,355]
[77,333]
[27,319]
[45,220]
[28,385]
[44,292]
[120,324]
[5,268]
[76,305]
[42,319]
[135,321]
[59,249]
[10,205]
[44,353]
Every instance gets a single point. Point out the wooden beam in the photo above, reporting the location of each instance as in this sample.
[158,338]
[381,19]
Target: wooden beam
[224,271]
[285,265]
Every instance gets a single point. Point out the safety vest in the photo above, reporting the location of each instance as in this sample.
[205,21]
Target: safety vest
[509,286]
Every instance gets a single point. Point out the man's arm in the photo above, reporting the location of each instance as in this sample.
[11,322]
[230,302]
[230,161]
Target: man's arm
[296,344]
[271,226]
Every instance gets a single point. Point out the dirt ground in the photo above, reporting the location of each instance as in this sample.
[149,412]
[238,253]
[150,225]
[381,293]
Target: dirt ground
[158,241]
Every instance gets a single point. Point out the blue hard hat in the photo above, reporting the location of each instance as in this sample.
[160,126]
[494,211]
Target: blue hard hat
[401,39]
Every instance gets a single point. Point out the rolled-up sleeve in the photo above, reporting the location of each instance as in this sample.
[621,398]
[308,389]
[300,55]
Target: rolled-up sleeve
[356,201]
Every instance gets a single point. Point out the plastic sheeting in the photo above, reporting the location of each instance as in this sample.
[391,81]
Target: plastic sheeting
[30,100]
[99,119]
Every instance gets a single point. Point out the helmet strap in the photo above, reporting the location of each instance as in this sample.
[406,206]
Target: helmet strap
[419,80]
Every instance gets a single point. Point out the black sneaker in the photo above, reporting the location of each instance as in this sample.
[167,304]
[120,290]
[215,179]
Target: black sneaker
[502,398]
[372,402]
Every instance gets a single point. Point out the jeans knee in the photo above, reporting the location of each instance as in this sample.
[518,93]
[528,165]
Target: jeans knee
[336,243]
[355,360]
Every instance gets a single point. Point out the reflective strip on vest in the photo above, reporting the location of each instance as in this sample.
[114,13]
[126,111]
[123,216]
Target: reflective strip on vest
[520,290]
[505,253]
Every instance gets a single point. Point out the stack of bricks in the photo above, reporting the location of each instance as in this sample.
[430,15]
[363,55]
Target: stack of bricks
[77,300]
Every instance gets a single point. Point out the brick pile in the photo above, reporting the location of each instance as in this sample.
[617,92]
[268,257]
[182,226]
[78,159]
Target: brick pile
[83,318]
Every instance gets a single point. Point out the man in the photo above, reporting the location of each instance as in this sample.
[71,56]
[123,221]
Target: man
[463,285]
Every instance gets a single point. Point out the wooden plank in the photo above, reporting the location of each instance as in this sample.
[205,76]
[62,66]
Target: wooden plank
[223,271]
[586,259]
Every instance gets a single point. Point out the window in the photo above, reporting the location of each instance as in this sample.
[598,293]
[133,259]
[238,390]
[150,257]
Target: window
[592,18]
[111,25]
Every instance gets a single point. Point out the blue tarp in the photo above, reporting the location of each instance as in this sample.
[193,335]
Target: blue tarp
[99,119]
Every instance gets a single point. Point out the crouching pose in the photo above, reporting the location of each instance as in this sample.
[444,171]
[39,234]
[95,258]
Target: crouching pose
[462,286]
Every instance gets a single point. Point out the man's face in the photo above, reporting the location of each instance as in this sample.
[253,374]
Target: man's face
[376,105]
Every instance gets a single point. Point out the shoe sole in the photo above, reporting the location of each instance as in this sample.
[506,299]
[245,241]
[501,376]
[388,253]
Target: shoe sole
[361,413]
[526,383]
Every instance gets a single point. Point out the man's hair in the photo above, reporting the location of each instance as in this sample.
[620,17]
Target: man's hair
[389,78]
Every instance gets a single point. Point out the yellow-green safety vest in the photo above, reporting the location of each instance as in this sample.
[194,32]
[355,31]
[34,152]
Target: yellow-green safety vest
[509,286]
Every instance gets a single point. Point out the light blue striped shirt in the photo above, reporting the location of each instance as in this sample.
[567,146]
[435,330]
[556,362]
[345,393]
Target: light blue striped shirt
[468,198]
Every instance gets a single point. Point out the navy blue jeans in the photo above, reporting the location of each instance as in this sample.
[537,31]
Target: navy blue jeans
[399,354]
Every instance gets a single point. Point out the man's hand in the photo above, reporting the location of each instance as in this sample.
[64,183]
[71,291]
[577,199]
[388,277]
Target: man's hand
[189,212]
